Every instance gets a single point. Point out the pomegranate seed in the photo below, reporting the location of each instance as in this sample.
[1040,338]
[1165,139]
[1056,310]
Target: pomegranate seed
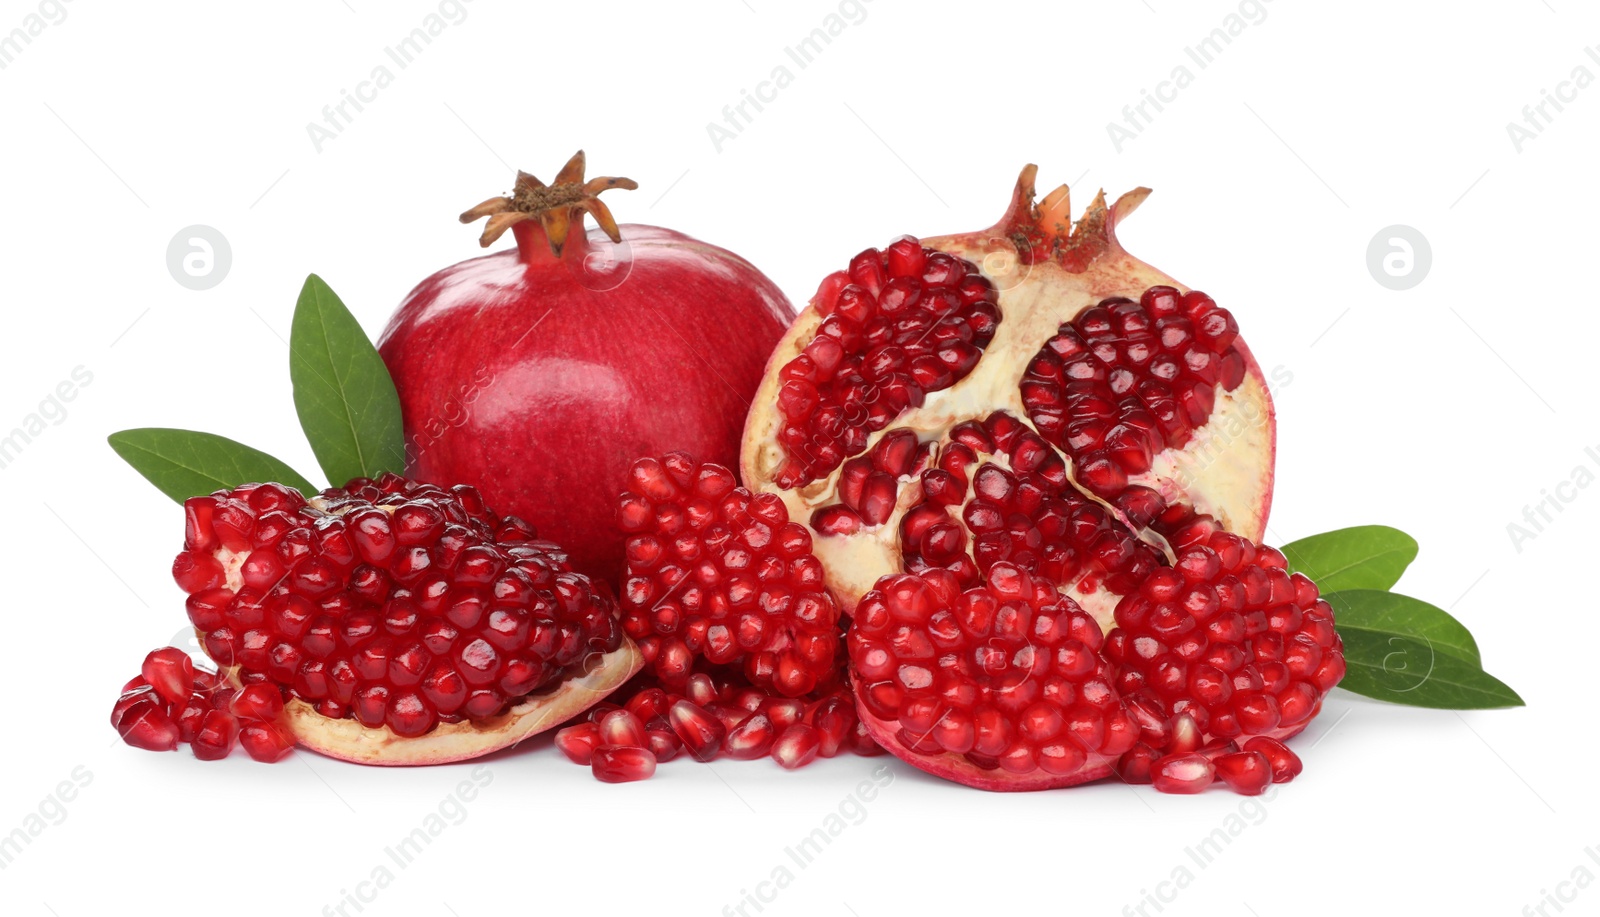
[797,746]
[170,671]
[702,734]
[752,738]
[261,703]
[1285,763]
[145,724]
[216,736]
[664,743]
[623,764]
[1247,772]
[265,742]
[834,718]
[1138,764]
[621,727]
[1190,773]
[189,717]
[578,742]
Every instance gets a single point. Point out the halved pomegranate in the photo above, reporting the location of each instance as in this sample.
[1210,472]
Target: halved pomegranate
[404,623]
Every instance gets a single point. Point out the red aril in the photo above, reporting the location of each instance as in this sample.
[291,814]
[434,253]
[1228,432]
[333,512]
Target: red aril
[578,742]
[170,671]
[538,373]
[1183,774]
[623,763]
[1247,773]
[1285,764]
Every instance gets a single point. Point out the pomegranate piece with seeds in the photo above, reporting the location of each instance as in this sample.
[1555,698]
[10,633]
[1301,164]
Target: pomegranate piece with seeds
[1001,686]
[1228,639]
[717,574]
[393,622]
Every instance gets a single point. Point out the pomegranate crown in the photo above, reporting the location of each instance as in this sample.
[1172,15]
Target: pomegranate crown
[1045,230]
[555,205]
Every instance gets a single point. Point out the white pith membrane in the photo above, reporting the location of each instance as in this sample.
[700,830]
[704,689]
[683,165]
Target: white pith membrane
[1225,470]
[574,691]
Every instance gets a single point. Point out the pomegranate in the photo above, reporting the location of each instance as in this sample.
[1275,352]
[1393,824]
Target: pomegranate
[1036,470]
[404,623]
[537,374]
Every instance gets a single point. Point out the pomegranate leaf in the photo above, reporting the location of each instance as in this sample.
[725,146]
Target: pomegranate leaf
[1411,671]
[1391,614]
[184,463]
[347,403]
[1360,557]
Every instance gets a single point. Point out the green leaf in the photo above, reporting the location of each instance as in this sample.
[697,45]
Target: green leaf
[1404,670]
[1388,614]
[1361,557]
[184,463]
[342,391]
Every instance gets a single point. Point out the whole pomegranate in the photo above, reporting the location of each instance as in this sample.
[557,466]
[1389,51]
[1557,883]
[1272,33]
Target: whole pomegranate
[1036,469]
[538,374]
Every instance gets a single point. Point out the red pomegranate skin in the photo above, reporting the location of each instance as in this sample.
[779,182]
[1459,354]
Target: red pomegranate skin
[539,378]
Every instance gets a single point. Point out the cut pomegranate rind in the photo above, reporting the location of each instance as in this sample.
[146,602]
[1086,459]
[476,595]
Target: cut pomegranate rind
[348,740]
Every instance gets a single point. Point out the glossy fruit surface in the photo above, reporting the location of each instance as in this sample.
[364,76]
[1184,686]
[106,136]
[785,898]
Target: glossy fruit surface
[539,373]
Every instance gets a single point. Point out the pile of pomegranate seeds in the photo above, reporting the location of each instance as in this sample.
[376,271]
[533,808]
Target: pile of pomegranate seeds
[714,718]
[394,603]
[171,703]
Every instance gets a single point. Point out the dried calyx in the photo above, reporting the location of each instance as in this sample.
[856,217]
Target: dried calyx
[557,206]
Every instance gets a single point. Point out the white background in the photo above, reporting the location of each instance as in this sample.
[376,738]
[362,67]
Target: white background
[1444,410]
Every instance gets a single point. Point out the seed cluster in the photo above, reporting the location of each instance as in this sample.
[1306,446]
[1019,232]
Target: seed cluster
[399,604]
[714,572]
[900,323]
[1126,380]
